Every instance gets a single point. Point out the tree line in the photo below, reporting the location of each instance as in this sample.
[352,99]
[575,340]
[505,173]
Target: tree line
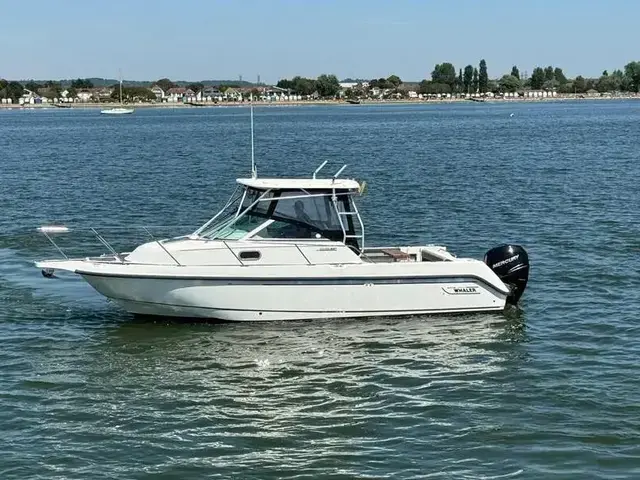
[130,92]
[196,87]
[445,79]
[325,85]
[53,89]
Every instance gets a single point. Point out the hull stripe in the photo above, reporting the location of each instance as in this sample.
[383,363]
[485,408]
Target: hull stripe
[295,281]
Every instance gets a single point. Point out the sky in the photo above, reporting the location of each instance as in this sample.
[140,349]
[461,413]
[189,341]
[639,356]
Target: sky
[218,39]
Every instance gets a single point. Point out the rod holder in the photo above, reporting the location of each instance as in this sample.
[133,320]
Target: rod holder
[319,168]
[337,174]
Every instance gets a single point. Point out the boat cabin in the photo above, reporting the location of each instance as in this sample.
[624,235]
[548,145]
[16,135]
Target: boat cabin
[289,209]
[301,213]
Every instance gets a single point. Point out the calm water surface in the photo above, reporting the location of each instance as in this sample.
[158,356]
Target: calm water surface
[550,391]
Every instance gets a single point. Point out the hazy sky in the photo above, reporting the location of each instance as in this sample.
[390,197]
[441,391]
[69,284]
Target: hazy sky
[215,39]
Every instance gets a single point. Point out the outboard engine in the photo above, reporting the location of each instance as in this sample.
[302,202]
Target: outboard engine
[511,264]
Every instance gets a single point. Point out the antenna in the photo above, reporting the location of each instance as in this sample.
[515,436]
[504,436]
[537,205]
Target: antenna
[254,171]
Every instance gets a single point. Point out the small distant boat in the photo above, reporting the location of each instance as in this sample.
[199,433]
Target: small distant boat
[353,102]
[118,110]
[62,105]
[474,99]
[195,104]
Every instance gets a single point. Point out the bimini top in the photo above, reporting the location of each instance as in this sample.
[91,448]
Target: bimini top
[299,183]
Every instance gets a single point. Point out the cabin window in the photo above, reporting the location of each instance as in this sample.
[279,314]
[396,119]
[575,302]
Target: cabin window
[250,255]
[289,214]
[298,214]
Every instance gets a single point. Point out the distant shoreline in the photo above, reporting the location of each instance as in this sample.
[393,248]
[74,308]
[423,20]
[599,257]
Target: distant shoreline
[102,106]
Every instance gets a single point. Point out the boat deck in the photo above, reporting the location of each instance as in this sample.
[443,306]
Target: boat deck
[406,254]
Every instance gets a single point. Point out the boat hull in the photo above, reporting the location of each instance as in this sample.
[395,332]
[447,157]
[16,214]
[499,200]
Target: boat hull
[297,299]
[117,111]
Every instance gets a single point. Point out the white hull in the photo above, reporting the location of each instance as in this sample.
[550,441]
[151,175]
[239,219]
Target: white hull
[198,298]
[117,111]
[235,298]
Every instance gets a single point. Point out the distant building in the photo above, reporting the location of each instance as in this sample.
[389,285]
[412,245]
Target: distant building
[175,91]
[233,94]
[179,94]
[101,93]
[84,95]
[158,92]
[211,93]
[29,97]
[274,94]
[210,90]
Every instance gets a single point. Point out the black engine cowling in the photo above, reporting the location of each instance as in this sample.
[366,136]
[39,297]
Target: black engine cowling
[511,264]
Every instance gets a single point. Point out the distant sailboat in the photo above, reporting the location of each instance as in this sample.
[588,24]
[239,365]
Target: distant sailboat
[118,110]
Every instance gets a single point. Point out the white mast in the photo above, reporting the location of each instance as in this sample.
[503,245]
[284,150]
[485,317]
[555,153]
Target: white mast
[120,87]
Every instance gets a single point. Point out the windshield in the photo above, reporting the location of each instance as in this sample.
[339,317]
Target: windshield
[286,214]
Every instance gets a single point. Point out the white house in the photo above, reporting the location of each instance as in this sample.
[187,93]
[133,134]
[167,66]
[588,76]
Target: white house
[28,97]
[180,94]
[84,95]
[158,92]
[211,93]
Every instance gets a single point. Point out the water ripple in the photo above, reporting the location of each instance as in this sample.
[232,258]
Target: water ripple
[548,390]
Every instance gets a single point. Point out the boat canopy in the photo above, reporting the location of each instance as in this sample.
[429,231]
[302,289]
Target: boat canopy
[299,183]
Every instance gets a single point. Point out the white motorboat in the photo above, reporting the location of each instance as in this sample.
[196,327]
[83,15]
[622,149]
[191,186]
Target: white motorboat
[294,248]
[289,248]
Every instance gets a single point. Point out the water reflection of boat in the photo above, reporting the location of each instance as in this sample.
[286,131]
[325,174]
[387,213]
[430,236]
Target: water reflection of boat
[441,347]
